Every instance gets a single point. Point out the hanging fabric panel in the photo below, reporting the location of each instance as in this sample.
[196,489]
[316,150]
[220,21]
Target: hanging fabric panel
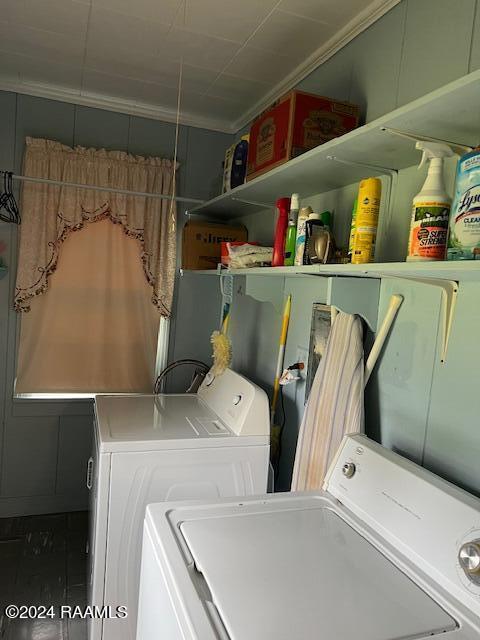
[50,213]
[335,404]
[96,329]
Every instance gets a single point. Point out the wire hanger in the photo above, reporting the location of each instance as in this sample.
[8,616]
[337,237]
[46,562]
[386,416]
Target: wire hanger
[8,205]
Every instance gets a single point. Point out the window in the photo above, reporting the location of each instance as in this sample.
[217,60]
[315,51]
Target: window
[96,329]
[95,272]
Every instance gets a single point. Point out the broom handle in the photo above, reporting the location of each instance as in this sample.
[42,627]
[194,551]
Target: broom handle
[281,353]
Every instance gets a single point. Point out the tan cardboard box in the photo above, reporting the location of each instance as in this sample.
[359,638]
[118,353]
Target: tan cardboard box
[202,241]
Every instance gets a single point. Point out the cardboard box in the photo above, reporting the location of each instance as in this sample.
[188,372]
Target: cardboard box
[294,124]
[202,243]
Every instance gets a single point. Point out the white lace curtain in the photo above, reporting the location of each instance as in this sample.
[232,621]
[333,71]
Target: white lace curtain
[50,213]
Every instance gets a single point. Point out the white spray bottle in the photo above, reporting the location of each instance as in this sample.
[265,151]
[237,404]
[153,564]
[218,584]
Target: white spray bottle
[431,207]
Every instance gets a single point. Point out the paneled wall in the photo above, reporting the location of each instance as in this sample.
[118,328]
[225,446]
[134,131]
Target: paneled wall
[44,445]
[415,48]
[425,410]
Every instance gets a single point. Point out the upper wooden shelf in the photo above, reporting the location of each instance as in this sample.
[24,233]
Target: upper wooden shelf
[449,113]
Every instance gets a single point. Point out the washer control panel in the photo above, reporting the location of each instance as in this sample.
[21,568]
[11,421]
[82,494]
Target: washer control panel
[409,506]
[469,559]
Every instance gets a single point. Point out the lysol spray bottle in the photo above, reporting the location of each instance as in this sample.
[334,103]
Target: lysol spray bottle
[431,207]
[464,238]
[366,220]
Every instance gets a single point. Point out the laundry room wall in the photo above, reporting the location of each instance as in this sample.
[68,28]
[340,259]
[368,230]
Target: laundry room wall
[416,405]
[44,445]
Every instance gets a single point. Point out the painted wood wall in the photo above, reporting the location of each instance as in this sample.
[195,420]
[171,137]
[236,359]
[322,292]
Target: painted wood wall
[44,445]
[425,410]
[418,46]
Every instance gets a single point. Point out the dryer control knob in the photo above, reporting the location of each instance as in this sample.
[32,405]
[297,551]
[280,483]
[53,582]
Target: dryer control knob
[469,557]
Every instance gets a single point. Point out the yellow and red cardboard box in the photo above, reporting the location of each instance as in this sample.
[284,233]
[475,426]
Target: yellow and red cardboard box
[202,243]
[297,122]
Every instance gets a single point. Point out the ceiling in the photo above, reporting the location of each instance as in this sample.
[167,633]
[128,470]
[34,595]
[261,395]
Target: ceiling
[125,55]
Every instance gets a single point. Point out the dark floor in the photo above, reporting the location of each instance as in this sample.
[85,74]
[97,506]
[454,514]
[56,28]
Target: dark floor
[43,562]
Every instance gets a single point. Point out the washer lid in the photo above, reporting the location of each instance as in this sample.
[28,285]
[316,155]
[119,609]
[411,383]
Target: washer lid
[306,574]
[156,421]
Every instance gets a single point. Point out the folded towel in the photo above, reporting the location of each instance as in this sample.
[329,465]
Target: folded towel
[335,404]
[248,255]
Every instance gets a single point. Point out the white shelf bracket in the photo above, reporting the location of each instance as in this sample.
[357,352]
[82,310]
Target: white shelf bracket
[449,300]
[460,149]
[253,203]
[370,167]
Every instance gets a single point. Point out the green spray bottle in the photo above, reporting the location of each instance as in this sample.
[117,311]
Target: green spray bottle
[291,234]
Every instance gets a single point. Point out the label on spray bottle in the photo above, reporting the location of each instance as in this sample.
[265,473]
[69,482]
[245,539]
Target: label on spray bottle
[366,220]
[464,239]
[428,231]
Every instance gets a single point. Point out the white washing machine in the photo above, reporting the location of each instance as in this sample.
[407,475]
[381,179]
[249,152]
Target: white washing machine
[151,448]
[387,552]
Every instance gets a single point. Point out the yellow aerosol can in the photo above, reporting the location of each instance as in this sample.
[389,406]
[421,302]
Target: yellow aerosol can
[366,220]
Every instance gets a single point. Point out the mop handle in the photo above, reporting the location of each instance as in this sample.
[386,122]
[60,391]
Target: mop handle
[281,352]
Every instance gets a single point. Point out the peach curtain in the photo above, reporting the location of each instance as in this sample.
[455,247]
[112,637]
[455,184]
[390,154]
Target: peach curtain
[96,329]
[50,213]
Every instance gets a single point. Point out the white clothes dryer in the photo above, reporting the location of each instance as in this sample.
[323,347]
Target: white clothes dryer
[151,448]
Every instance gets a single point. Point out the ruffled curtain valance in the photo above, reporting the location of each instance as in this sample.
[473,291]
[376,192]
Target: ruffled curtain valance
[50,213]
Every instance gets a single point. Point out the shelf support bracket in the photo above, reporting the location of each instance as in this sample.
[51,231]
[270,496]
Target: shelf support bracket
[449,290]
[458,148]
[253,203]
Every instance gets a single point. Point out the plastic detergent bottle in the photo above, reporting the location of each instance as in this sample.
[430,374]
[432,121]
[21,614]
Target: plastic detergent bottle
[291,236]
[283,206]
[464,238]
[300,240]
[366,220]
[431,207]
[326,218]
[352,229]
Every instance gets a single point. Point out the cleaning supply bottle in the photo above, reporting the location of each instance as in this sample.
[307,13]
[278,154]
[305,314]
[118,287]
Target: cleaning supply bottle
[464,238]
[283,206]
[317,240]
[353,226]
[366,220]
[300,240]
[431,207]
[326,218]
[291,230]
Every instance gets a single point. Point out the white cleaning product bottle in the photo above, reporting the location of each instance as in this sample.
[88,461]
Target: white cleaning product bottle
[464,236]
[300,240]
[431,207]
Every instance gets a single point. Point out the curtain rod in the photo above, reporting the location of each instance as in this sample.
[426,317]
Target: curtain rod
[75,185]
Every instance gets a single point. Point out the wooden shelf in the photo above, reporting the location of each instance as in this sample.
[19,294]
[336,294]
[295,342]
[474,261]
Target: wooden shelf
[449,113]
[466,270]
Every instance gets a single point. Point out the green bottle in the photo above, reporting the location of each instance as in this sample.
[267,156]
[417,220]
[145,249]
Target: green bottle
[291,235]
